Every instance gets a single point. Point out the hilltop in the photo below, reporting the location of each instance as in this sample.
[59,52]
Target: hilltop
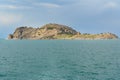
[56,31]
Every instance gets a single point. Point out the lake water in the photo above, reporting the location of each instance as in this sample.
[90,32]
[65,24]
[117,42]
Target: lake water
[59,59]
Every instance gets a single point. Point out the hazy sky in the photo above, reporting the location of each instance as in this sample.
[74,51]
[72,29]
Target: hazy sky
[91,16]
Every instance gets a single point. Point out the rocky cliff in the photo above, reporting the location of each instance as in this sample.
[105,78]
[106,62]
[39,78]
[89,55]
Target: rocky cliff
[55,31]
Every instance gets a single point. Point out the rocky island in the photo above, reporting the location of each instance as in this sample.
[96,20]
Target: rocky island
[56,31]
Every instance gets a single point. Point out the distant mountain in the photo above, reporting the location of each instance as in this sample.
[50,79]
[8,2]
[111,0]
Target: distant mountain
[56,31]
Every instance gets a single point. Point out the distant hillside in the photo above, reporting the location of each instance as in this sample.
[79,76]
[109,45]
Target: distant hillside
[56,31]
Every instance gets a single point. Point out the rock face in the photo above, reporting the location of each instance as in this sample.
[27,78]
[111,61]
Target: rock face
[48,31]
[55,31]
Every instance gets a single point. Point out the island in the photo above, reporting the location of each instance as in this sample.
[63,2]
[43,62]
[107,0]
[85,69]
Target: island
[56,31]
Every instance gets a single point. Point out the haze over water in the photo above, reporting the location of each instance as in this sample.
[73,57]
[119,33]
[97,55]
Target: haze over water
[60,60]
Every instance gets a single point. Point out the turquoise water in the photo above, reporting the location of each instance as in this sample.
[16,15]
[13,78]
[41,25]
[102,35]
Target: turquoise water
[60,60]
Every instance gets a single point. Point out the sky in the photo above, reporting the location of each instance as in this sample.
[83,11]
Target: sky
[85,16]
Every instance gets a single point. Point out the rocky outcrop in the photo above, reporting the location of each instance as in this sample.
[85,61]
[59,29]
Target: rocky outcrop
[48,31]
[96,36]
[55,31]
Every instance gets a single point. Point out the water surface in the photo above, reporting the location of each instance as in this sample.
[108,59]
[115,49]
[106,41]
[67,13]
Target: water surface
[60,60]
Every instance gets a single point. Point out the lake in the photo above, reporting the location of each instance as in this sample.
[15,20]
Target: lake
[59,59]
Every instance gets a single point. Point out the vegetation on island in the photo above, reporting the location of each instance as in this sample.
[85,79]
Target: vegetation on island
[56,31]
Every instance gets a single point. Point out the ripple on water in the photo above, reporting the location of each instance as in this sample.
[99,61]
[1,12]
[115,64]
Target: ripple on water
[3,75]
[60,60]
